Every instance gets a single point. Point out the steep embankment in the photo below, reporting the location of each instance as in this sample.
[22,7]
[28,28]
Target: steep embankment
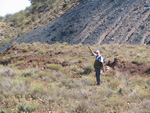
[92,21]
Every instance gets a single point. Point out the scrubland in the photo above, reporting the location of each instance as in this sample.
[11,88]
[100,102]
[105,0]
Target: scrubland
[60,78]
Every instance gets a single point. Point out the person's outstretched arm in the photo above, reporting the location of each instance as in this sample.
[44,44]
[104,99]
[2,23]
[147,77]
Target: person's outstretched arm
[91,50]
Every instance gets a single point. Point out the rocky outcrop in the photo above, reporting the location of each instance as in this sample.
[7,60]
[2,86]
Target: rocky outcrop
[97,21]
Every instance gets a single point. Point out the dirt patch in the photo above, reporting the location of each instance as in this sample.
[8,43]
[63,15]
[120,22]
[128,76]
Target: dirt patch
[130,67]
[24,60]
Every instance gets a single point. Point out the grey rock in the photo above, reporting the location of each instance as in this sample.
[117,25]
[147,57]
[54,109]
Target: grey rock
[95,21]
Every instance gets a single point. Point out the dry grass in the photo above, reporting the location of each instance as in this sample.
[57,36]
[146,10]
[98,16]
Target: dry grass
[71,88]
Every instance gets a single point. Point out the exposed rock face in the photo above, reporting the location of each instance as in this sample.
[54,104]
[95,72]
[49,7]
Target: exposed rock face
[97,21]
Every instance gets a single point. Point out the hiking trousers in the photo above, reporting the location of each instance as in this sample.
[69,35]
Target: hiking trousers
[98,76]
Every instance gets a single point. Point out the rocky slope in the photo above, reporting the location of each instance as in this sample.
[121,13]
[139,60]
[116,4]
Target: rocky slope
[35,16]
[97,21]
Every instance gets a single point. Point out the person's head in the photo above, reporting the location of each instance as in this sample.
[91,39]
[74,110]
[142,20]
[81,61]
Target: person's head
[97,53]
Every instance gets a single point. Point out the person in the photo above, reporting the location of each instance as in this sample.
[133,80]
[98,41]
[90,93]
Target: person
[98,65]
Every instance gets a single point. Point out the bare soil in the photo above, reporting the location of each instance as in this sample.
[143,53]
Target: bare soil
[130,67]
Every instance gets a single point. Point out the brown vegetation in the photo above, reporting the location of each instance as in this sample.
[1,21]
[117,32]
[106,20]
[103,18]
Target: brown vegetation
[27,55]
[60,78]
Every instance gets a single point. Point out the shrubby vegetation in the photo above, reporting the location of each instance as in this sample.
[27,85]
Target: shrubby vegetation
[41,12]
[71,87]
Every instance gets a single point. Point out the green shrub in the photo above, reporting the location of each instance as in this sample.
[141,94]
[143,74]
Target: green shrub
[65,43]
[70,84]
[116,103]
[113,84]
[138,60]
[4,41]
[25,50]
[19,63]
[88,69]
[26,107]
[32,72]
[43,74]
[54,66]
[13,56]
[26,74]
[80,60]
[74,68]
[2,111]
[24,44]
[10,101]
[42,52]
[82,108]
[87,81]
[34,17]
[37,90]
[64,5]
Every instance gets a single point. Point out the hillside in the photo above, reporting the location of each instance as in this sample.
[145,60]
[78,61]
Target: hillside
[60,78]
[39,55]
[35,16]
[102,21]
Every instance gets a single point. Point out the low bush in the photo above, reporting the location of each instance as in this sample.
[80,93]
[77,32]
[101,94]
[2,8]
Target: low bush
[86,82]
[54,66]
[80,60]
[43,75]
[19,63]
[42,52]
[88,69]
[113,83]
[30,72]
[117,104]
[70,84]
[13,56]
[82,108]
[27,107]
[2,111]
[7,72]
[25,50]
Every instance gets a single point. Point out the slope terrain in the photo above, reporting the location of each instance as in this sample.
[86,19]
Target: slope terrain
[60,78]
[97,21]
[38,55]
[35,16]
